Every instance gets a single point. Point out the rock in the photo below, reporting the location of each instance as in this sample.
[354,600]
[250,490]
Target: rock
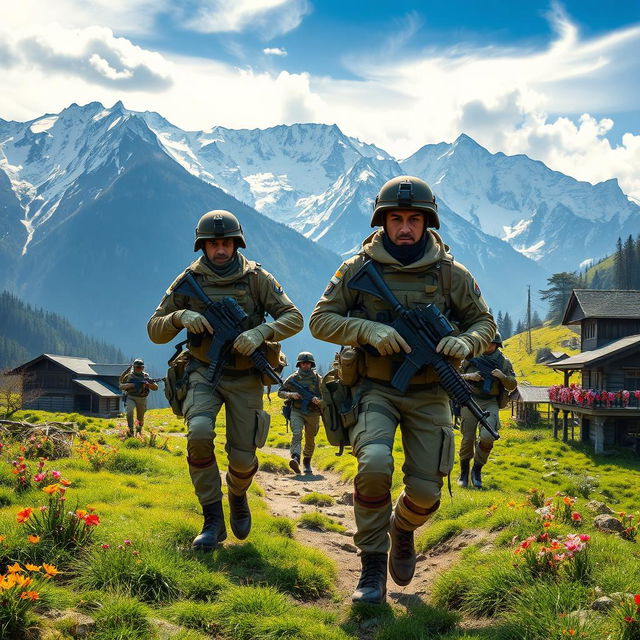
[346,546]
[308,489]
[605,522]
[293,493]
[581,616]
[621,596]
[598,507]
[598,592]
[551,474]
[346,498]
[77,624]
[335,514]
[603,604]
[166,630]
[544,511]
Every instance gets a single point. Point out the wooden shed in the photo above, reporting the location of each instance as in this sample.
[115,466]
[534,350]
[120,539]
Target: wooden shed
[527,401]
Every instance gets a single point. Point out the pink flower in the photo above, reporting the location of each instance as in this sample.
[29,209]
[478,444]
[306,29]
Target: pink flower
[105,546]
[584,537]
[56,474]
[576,517]
[39,477]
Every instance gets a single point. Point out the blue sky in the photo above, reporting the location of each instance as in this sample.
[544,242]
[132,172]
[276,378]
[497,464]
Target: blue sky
[557,81]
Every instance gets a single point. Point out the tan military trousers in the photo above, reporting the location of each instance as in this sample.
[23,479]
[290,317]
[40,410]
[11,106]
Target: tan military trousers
[470,448]
[427,439]
[247,426]
[309,423]
[139,405]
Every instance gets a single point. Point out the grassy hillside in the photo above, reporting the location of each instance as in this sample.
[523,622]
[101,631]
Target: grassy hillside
[605,269]
[558,338]
[137,567]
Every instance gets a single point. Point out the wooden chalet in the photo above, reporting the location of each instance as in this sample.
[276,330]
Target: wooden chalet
[606,399]
[70,384]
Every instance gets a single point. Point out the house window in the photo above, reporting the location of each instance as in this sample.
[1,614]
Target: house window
[589,329]
[631,379]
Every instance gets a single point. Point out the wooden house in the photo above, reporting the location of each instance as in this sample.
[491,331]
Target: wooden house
[605,399]
[70,384]
[526,403]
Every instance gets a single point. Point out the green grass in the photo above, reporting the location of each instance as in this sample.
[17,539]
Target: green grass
[319,522]
[317,499]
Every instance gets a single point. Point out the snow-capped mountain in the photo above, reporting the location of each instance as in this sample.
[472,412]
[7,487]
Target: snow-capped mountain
[547,216]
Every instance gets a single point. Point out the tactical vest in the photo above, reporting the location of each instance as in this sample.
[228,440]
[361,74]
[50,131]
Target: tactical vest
[413,289]
[135,377]
[246,293]
[310,383]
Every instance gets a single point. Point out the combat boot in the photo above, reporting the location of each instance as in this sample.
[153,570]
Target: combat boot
[213,530]
[463,480]
[306,465]
[372,586]
[239,515]
[402,559]
[476,475]
[294,463]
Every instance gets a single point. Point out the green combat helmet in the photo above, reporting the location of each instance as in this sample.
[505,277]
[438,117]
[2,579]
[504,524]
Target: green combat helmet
[305,356]
[406,193]
[138,362]
[218,224]
[497,339]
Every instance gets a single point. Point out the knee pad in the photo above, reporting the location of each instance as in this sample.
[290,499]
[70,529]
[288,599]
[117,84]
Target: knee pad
[200,453]
[242,462]
[375,458]
[425,494]
[201,427]
[485,445]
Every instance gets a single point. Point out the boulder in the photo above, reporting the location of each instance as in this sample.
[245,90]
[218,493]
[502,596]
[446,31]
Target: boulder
[608,523]
[598,507]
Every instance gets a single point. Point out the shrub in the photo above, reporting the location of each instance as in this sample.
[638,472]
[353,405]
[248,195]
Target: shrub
[204,586]
[319,522]
[121,617]
[318,499]
[97,455]
[132,463]
[280,526]
[133,443]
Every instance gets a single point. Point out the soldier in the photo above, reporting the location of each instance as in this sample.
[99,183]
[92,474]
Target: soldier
[137,385]
[222,271]
[308,420]
[416,265]
[488,395]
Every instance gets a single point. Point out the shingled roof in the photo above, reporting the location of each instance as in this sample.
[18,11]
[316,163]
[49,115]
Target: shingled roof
[585,358]
[608,303]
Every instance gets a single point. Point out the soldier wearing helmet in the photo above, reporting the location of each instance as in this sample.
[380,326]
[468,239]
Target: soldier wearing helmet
[491,378]
[416,265]
[308,420]
[223,271]
[136,384]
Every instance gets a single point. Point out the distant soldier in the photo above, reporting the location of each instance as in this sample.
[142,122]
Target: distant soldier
[301,419]
[136,384]
[222,271]
[415,264]
[491,378]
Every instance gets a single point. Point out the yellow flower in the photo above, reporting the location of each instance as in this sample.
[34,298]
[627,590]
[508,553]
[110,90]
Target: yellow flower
[22,581]
[33,567]
[50,569]
[51,488]
[33,539]
[7,584]
[90,508]
[14,568]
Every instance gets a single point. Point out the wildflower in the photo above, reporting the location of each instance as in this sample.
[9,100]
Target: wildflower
[546,524]
[92,520]
[56,474]
[90,508]
[3,538]
[629,619]
[14,568]
[22,581]
[576,517]
[24,515]
[568,500]
[105,546]
[33,567]
[126,542]
[511,504]
[80,514]
[65,483]
[31,595]
[584,537]
[43,509]
[33,539]
[636,599]
[50,569]
[39,477]
[51,489]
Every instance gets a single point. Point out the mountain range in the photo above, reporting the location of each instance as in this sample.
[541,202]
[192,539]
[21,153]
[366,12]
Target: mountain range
[98,208]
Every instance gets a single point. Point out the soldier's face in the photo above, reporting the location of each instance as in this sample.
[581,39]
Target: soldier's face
[404,227]
[305,366]
[491,348]
[219,250]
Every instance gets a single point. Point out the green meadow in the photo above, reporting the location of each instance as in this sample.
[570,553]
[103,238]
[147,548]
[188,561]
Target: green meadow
[135,576]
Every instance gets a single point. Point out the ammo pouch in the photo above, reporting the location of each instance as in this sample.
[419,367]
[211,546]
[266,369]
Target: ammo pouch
[339,411]
[275,357]
[503,398]
[177,379]
[350,365]
[263,422]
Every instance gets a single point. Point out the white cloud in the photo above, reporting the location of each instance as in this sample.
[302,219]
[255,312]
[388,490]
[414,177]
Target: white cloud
[269,17]
[274,51]
[93,54]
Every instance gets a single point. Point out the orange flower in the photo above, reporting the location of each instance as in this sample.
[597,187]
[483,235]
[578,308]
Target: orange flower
[24,515]
[51,488]
[50,569]
[33,539]
[90,508]
[14,568]
[3,538]
[546,524]
[22,581]
[81,513]
[30,595]
[567,500]
[33,567]
[65,483]
[7,583]
[92,520]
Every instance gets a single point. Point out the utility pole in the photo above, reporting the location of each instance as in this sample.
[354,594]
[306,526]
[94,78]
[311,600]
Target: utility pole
[529,345]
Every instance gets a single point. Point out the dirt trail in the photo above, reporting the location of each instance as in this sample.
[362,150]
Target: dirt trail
[283,495]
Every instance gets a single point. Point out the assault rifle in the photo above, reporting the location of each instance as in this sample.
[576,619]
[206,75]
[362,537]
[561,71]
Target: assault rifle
[227,318]
[422,328]
[139,383]
[485,368]
[305,395]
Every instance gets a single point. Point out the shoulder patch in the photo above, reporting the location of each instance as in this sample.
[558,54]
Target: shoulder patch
[276,287]
[335,279]
[476,289]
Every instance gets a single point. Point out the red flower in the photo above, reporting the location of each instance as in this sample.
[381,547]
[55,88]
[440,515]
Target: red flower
[576,517]
[24,515]
[92,520]
[636,599]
